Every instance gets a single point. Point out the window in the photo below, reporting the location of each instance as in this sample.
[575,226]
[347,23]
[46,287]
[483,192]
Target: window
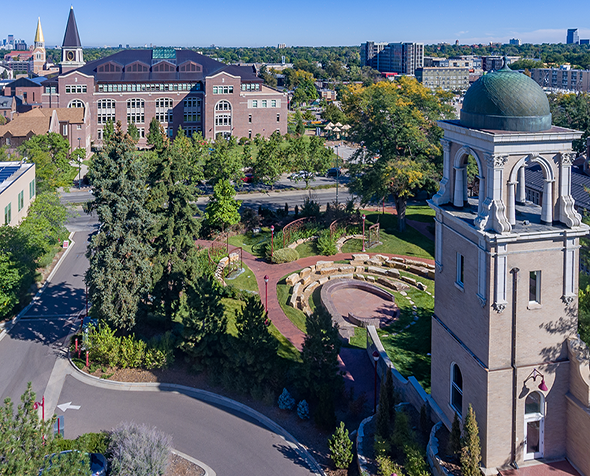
[250,134]
[278,118]
[460,270]
[164,110]
[21,200]
[264,103]
[223,119]
[535,287]
[457,389]
[192,109]
[223,89]
[250,118]
[273,103]
[8,214]
[32,189]
[76,88]
[223,106]
[135,111]
[254,103]
[141,132]
[105,111]
[99,135]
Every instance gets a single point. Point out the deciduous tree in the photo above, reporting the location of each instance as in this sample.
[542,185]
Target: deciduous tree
[222,209]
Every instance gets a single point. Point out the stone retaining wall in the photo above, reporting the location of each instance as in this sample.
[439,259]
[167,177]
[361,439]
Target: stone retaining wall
[432,453]
[223,263]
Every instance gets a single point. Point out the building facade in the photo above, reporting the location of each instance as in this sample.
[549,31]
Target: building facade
[448,79]
[575,80]
[180,88]
[17,191]
[402,58]
[504,330]
[572,36]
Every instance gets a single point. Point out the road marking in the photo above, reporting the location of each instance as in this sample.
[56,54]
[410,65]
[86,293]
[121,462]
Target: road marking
[66,406]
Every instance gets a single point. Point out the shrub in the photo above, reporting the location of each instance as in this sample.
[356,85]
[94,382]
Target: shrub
[303,410]
[310,208]
[139,450]
[340,447]
[88,442]
[326,246]
[381,446]
[388,467]
[325,413]
[454,448]
[415,465]
[402,432]
[131,352]
[471,450]
[286,401]
[285,255]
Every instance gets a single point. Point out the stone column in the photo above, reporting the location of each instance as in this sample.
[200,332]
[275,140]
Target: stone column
[511,205]
[459,187]
[444,193]
[547,213]
[566,213]
[521,188]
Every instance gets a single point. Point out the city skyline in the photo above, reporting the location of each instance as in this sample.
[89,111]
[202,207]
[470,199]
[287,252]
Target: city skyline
[309,24]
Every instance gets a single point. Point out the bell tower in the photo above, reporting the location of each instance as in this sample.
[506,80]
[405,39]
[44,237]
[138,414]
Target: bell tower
[507,268]
[39,55]
[72,56]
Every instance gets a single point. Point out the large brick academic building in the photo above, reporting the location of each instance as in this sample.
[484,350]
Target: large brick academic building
[180,88]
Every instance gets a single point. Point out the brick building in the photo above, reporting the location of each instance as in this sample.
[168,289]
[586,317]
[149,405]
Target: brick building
[180,88]
[17,191]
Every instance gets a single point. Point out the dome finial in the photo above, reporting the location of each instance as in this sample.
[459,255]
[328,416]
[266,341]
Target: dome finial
[505,67]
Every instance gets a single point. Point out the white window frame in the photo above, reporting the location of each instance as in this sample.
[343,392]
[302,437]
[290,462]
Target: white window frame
[453,386]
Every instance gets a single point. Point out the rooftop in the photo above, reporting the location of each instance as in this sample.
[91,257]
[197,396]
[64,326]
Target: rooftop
[10,171]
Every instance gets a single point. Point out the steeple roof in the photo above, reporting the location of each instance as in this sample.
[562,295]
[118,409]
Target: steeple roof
[39,34]
[71,38]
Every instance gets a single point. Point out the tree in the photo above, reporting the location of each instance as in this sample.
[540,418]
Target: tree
[222,209]
[25,440]
[340,447]
[204,324]
[255,350]
[299,127]
[268,77]
[156,136]
[572,111]
[269,162]
[44,224]
[320,355]
[333,114]
[10,282]
[308,155]
[119,275]
[133,132]
[172,199]
[383,425]
[396,122]
[454,448]
[471,449]
[224,161]
[584,315]
[108,131]
[50,154]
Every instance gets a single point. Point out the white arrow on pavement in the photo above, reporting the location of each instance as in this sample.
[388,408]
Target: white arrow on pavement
[65,406]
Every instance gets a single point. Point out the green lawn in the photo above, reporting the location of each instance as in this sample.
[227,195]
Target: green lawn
[245,281]
[286,350]
[296,316]
[410,243]
[253,244]
[421,213]
[307,249]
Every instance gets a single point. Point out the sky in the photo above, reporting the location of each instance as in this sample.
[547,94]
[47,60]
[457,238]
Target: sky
[302,23]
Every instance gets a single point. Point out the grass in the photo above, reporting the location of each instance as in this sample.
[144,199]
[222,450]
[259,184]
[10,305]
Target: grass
[286,350]
[297,317]
[422,213]
[410,243]
[359,339]
[251,243]
[307,249]
[246,281]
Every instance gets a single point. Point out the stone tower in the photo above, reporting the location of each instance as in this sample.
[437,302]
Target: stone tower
[39,56]
[72,56]
[507,272]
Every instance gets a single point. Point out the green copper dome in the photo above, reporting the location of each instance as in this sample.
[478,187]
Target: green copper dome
[506,100]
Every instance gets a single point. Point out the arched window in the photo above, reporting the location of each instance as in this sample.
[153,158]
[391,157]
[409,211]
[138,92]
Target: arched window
[105,111]
[76,103]
[223,106]
[457,389]
[135,111]
[533,405]
[164,109]
[534,422]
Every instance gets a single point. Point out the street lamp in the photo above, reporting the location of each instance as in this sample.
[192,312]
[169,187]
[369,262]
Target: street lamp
[364,218]
[41,404]
[376,359]
[337,170]
[266,292]
[79,167]
[272,240]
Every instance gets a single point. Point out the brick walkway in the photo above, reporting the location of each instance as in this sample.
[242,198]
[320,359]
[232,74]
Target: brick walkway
[559,468]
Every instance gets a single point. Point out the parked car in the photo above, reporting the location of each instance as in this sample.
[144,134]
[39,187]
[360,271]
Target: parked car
[334,172]
[248,178]
[98,463]
[301,175]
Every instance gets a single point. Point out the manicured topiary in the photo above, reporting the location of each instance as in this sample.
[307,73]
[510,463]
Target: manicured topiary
[284,255]
[286,401]
[303,410]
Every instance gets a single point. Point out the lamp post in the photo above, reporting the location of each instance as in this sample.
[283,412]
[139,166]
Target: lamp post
[272,240]
[376,359]
[41,404]
[337,170]
[364,218]
[79,168]
[266,293]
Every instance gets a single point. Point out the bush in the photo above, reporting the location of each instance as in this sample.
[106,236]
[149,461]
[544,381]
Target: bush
[303,410]
[388,467]
[471,449]
[286,401]
[88,442]
[326,245]
[285,255]
[310,208]
[454,448]
[415,465]
[340,447]
[139,450]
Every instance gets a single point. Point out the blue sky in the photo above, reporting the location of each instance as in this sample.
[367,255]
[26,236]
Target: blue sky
[301,23]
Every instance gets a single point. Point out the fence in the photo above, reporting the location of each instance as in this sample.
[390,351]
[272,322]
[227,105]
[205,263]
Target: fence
[347,221]
[293,227]
[373,235]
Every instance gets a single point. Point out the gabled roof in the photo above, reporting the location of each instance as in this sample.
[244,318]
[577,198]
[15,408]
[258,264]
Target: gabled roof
[24,83]
[38,121]
[6,102]
[71,38]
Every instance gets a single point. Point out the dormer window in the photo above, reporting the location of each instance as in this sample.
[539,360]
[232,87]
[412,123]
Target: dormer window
[137,67]
[190,67]
[109,67]
[163,67]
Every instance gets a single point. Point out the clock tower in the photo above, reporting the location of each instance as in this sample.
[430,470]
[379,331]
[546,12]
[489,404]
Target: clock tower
[72,56]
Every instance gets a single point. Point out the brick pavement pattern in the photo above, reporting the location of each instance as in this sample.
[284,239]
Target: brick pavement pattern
[558,468]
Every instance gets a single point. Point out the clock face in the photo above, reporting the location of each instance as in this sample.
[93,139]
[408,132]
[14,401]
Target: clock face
[70,56]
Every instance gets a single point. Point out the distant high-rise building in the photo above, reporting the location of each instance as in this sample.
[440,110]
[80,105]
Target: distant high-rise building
[401,58]
[585,42]
[11,39]
[514,41]
[280,46]
[572,36]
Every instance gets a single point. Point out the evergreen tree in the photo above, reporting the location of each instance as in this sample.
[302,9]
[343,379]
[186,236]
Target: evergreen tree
[320,355]
[299,126]
[340,447]
[173,197]
[204,325]
[222,209]
[383,424]
[390,392]
[255,350]
[108,131]
[455,438]
[156,137]
[471,449]
[133,132]
[119,275]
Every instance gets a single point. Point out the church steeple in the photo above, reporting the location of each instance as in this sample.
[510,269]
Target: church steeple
[39,38]
[71,50]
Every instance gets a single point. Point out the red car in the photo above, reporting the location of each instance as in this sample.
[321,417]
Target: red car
[248,178]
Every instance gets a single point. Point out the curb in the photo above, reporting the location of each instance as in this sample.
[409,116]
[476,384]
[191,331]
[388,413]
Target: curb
[205,396]
[8,325]
[203,466]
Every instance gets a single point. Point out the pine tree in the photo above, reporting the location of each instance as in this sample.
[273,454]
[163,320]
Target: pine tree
[340,447]
[173,197]
[204,325]
[320,355]
[383,425]
[108,131]
[255,350]
[133,132]
[299,126]
[455,438]
[156,137]
[471,449]
[119,275]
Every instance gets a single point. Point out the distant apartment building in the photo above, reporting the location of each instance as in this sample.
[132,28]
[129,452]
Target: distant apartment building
[446,78]
[572,36]
[17,191]
[494,63]
[465,61]
[434,62]
[562,78]
[514,41]
[402,58]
